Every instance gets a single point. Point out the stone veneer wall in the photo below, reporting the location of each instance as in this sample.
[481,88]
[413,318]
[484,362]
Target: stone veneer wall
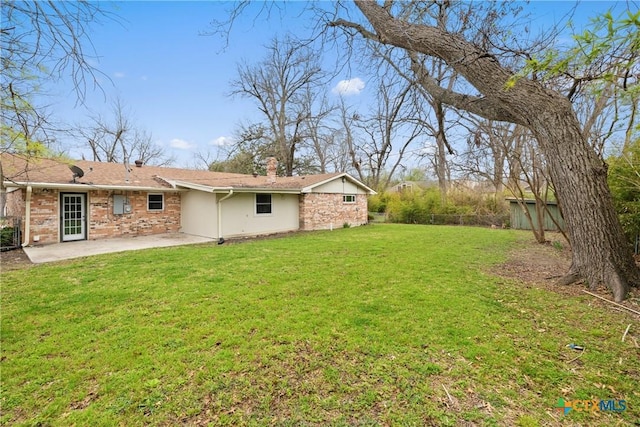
[321,211]
[102,222]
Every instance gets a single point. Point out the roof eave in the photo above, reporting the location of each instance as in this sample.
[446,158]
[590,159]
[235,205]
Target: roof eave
[309,188]
[82,186]
[267,190]
[236,189]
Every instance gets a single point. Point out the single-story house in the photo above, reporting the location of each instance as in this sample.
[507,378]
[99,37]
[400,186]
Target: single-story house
[62,201]
[411,186]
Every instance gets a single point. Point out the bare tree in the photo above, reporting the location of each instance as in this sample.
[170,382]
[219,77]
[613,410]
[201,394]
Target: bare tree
[319,136]
[47,40]
[598,242]
[442,14]
[279,85]
[387,132]
[117,139]
[435,116]
[489,145]
[533,171]
[515,154]
[437,128]
[432,120]
[348,138]
[40,40]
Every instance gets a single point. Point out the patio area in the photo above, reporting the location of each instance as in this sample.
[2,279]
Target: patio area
[82,248]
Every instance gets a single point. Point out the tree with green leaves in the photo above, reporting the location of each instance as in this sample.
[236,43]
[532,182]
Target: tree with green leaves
[40,40]
[496,90]
[624,180]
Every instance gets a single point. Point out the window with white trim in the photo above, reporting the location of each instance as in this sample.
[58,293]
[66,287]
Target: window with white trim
[263,204]
[348,198]
[155,202]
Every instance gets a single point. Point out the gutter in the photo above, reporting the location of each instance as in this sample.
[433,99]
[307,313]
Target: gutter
[27,217]
[220,238]
[85,187]
[210,189]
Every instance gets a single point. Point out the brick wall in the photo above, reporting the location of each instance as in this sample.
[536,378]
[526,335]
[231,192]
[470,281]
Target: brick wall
[44,213]
[321,211]
[102,222]
[45,216]
[15,207]
[15,203]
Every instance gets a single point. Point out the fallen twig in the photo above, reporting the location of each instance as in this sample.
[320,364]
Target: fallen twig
[448,395]
[576,358]
[612,302]
[626,331]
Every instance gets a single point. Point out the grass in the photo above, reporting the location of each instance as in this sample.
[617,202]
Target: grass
[379,325]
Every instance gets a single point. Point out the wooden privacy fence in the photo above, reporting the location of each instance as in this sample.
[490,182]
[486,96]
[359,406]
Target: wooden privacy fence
[550,216]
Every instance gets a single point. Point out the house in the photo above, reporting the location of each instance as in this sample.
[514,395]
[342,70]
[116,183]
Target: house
[456,184]
[410,186]
[60,201]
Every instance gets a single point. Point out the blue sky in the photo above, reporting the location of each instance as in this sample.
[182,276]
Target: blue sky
[171,78]
[174,81]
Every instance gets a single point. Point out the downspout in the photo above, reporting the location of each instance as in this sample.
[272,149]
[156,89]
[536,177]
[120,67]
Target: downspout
[27,217]
[220,238]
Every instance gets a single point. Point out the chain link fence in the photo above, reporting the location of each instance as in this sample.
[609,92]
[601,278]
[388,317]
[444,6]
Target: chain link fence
[497,221]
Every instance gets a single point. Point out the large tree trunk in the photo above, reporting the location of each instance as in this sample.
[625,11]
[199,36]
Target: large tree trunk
[600,252]
[441,153]
[3,192]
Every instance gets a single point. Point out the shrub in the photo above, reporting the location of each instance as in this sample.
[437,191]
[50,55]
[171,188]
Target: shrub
[427,207]
[378,202]
[7,237]
[624,181]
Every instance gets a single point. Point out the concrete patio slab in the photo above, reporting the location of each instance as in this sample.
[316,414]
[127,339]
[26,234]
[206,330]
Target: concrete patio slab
[82,248]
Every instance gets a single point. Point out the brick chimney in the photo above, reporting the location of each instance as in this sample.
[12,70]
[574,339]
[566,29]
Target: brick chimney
[272,168]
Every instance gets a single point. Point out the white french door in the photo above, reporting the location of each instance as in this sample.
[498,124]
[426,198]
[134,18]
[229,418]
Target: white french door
[73,217]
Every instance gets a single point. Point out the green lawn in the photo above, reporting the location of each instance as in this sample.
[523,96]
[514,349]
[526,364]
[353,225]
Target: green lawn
[377,325]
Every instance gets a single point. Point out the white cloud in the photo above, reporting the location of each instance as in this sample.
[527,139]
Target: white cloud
[181,144]
[427,150]
[349,87]
[221,141]
[118,75]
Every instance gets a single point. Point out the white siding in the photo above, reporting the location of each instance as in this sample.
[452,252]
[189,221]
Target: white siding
[239,216]
[199,214]
[339,187]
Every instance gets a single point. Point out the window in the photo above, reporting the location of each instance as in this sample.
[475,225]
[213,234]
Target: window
[405,187]
[155,202]
[263,204]
[349,198]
